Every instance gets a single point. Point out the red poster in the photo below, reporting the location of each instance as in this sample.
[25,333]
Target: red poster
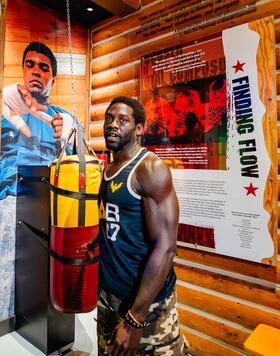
[183,90]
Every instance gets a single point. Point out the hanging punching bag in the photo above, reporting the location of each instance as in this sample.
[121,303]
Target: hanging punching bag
[74,184]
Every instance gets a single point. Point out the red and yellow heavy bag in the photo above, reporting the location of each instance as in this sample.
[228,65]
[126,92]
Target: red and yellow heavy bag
[74,182]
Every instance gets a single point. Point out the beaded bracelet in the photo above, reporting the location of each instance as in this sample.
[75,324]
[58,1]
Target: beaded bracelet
[131,321]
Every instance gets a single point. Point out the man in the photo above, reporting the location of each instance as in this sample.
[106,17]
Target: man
[31,128]
[158,118]
[139,215]
[187,101]
[25,140]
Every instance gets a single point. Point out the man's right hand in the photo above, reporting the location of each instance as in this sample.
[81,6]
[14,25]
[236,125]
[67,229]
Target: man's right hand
[89,247]
[31,102]
[57,124]
[125,340]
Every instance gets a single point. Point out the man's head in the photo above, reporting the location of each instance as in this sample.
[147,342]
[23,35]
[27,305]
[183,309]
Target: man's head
[217,91]
[39,69]
[124,123]
[155,94]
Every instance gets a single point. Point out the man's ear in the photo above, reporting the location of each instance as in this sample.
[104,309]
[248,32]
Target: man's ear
[53,81]
[139,129]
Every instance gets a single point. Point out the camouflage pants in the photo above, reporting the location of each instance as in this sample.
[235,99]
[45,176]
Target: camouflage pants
[160,337]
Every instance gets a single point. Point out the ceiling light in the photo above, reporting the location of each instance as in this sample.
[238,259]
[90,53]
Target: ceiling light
[90,9]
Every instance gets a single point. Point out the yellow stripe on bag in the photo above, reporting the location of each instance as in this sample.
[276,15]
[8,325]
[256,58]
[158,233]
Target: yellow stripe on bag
[68,179]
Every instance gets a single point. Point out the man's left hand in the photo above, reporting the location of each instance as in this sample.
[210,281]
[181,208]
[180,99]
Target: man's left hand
[126,340]
[57,124]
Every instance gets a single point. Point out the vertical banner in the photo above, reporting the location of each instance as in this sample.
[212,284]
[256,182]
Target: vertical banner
[211,116]
[36,104]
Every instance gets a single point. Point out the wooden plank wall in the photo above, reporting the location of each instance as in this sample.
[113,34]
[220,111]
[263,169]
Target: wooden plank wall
[27,22]
[220,299]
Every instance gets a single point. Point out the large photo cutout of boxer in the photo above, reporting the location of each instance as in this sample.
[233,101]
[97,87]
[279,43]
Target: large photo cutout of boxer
[36,110]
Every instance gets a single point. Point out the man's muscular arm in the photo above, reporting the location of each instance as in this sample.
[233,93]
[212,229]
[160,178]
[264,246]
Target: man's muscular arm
[161,217]
[153,182]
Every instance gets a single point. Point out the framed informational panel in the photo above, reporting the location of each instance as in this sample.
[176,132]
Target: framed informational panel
[211,115]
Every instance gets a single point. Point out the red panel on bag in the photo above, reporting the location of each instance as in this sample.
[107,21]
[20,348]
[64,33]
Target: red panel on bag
[73,289]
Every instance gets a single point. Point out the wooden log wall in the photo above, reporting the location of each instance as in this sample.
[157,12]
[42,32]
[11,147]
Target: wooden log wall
[2,41]
[27,22]
[220,299]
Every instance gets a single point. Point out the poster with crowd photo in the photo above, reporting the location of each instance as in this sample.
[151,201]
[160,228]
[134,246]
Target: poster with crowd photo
[206,118]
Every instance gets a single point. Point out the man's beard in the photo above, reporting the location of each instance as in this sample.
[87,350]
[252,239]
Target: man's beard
[121,144]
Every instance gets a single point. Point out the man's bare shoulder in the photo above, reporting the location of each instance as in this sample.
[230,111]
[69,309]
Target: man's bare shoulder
[152,174]
[152,163]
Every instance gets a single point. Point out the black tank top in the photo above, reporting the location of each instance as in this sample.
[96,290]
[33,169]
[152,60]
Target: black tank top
[124,246]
